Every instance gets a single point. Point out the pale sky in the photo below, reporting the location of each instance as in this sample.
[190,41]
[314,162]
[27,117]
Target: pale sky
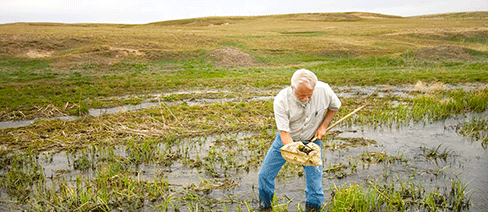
[147,11]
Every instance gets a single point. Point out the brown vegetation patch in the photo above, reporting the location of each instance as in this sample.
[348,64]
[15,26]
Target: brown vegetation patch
[231,57]
[470,35]
[372,15]
[432,88]
[124,52]
[329,17]
[38,46]
[208,21]
[480,15]
[444,53]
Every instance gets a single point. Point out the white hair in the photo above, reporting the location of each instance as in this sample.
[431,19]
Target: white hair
[303,76]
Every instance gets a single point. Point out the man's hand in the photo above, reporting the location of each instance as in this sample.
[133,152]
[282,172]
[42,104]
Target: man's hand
[322,130]
[320,133]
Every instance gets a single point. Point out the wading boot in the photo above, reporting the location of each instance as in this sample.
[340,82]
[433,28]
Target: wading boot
[265,209]
[311,209]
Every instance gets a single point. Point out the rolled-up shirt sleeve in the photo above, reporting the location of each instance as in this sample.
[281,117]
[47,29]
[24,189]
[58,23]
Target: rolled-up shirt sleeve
[334,102]
[281,116]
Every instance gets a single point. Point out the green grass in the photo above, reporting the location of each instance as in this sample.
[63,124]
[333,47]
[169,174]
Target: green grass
[16,65]
[477,129]
[28,90]
[419,108]
[398,196]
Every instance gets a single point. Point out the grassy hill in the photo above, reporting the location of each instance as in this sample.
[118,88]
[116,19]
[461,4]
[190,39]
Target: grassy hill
[272,39]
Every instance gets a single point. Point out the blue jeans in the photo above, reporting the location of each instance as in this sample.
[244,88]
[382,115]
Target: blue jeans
[271,166]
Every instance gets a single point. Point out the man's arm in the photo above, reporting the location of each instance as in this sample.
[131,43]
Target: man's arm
[321,131]
[286,137]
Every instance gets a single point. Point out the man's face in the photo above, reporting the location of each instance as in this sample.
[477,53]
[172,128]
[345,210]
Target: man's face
[303,93]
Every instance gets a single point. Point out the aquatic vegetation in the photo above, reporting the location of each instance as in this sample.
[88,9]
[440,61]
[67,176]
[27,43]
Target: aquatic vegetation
[397,196]
[436,153]
[337,171]
[113,177]
[21,174]
[338,143]
[476,129]
[379,157]
[447,104]
[416,108]
[110,156]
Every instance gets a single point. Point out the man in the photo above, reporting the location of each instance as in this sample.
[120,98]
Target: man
[302,112]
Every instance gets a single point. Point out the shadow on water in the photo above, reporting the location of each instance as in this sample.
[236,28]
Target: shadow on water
[412,153]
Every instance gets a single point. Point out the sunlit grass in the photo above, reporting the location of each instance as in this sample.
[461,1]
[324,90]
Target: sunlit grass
[74,93]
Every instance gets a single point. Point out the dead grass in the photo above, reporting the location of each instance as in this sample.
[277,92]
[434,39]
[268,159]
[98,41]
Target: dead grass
[231,57]
[163,121]
[432,88]
[444,53]
[463,15]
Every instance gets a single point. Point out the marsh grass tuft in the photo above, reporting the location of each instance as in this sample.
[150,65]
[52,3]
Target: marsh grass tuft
[436,153]
[21,174]
[397,196]
[476,129]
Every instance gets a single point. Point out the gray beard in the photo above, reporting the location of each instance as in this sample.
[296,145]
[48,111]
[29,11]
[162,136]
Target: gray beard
[301,103]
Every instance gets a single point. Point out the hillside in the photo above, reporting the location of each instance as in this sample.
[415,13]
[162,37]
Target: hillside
[482,15]
[268,39]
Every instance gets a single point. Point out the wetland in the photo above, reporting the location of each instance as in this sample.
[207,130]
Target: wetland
[178,115]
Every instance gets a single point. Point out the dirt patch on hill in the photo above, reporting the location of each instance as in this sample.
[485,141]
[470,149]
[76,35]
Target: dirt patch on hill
[231,57]
[125,52]
[445,54]
[36,53]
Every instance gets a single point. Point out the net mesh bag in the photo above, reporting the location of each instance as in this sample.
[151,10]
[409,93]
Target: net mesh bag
[298,153]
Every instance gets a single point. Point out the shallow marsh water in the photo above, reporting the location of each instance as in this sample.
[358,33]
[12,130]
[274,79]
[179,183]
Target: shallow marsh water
[466,160]
[236,186]
[342,92]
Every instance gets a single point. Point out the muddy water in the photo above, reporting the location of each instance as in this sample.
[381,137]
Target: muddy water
[466,160]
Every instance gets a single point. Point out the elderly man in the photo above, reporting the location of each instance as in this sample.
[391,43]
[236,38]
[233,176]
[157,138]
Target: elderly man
[302,112]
